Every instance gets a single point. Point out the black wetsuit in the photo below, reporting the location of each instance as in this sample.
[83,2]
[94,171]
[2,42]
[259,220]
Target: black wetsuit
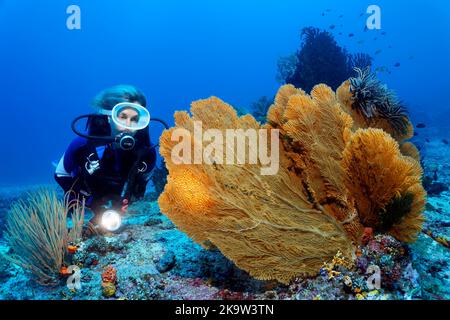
[120,174]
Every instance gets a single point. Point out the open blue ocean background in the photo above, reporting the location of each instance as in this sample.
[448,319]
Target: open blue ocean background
[180,51]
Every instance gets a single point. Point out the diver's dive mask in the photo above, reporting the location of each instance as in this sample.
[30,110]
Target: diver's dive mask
[127,117]
[138,116]
[130,117]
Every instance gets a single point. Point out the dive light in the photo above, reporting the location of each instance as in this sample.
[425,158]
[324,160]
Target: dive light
[111,220]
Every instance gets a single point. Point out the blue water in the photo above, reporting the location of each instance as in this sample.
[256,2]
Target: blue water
[180,51]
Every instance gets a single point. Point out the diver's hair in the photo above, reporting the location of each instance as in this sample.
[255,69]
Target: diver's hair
[108,98]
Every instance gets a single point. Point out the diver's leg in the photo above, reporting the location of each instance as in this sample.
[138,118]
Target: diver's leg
[66,183]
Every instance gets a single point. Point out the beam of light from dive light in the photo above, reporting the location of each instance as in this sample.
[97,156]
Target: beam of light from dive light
[111,220]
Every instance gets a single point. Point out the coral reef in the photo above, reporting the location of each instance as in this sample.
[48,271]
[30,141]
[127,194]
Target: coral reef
[430,254]
[137,252]
[206,274]
[331,184]
[382,255]
[335,64]
[338,261]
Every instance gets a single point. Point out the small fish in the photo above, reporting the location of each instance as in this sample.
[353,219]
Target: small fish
[365,29]
[421,125]
[351,35]
[323,14]
[328,10]
[375,39]
[427,140]
[445,141]
[390,47]
[341,16]
[361,14]
[340,33]
[416,134]
[397,65]
[378,51]
[411,57]
[360,41]
[332,26]
[383,33]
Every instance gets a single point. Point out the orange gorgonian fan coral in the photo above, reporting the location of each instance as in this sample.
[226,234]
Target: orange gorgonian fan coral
[266,224]
[386,184]
[332,182]
[318,131]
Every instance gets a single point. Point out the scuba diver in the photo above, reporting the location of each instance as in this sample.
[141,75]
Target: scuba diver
[109,164]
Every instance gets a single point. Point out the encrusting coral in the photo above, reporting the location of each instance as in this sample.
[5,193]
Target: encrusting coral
[333,181]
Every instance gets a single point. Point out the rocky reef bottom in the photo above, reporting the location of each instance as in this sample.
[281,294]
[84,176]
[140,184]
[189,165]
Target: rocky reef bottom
[148,258]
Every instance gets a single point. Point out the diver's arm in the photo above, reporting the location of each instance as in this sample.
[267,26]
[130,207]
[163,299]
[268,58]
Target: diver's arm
[68,172]
[73,157]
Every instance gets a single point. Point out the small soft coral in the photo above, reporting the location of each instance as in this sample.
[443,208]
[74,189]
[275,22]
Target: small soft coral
[109,274]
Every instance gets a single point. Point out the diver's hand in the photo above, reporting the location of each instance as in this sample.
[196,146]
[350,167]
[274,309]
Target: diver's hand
[124,208]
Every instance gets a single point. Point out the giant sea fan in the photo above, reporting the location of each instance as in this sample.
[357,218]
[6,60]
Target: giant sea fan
[330,185]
